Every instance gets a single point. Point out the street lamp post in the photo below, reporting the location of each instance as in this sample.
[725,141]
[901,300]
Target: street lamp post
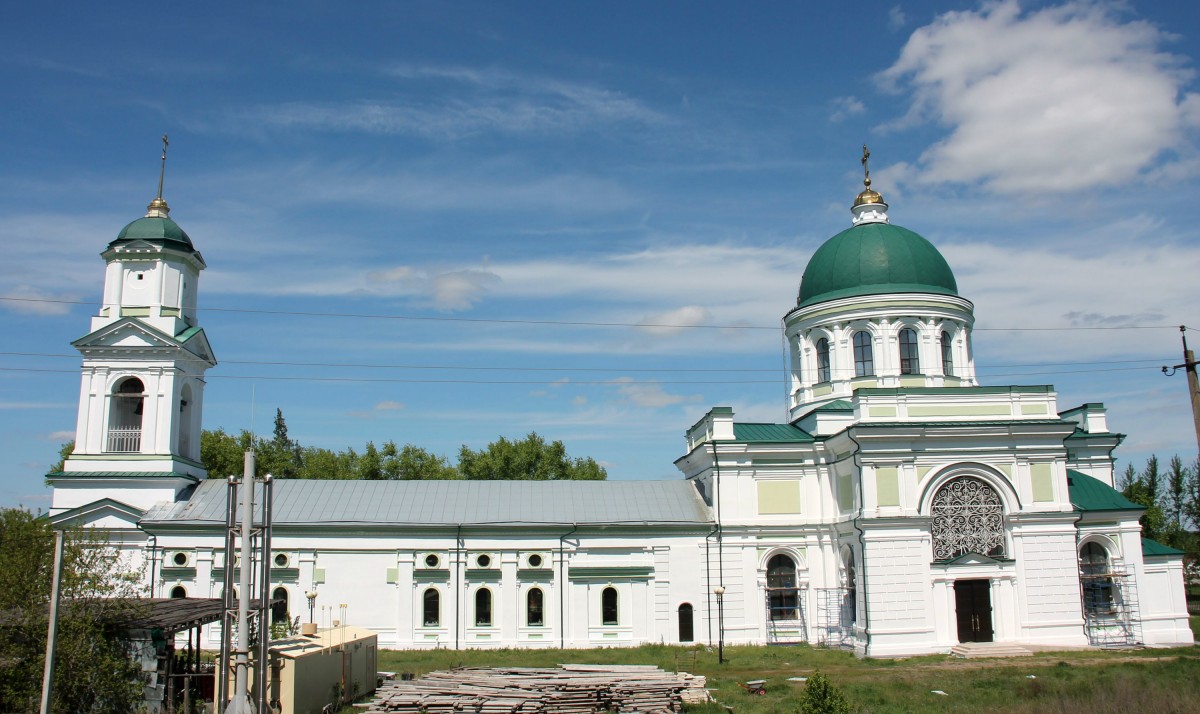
[312,601]
[719,591]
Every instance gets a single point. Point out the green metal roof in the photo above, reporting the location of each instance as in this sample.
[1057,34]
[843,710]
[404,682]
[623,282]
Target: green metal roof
[873,259]
[1153,547]
[155,230]
[1090,494]
[837,405]
[770,433]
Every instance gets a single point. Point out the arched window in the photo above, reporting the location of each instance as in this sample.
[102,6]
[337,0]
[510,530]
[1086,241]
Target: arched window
[483,607]
[431,604]
[850,602]
[968,517]
[910,362]
[1096,576]
[822,360]
[178,592]
[783,597]
[687,631]
[535,613]
[125,417]
[279,606]
[947,355]
[864,362]
[608,607]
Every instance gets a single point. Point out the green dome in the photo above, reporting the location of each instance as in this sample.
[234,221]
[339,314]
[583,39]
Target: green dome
[155,230]
[871,259]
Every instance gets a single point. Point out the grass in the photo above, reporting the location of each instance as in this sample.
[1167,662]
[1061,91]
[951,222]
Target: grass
[1096,682]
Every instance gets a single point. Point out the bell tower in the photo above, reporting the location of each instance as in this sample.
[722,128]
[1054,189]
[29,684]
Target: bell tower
[137,437]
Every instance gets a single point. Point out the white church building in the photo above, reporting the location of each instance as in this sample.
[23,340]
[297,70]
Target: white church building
[902,509]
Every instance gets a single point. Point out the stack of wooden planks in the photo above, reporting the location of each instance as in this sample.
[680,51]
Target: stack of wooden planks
[568,689]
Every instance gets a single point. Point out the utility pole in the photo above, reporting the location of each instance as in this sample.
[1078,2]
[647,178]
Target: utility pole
[1193,382]
[52,629]
[240,702]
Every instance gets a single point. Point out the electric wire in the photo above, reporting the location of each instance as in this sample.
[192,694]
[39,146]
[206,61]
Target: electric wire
[562,323]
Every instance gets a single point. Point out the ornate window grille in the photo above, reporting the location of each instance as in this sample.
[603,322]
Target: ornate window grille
[967,518]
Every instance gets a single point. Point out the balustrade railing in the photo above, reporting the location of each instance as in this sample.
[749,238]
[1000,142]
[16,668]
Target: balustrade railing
[124,440]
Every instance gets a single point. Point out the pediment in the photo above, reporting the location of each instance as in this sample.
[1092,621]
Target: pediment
[126,333]
[973,559]
[105,513]
[195,341]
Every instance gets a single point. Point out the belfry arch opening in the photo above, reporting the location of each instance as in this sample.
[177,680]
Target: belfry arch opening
[125,416]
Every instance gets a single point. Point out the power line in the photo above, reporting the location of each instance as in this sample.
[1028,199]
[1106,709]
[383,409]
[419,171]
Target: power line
[354,365]
[560,323]
[605,382]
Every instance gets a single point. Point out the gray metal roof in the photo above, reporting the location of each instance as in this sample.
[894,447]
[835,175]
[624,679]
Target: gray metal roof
[301,502]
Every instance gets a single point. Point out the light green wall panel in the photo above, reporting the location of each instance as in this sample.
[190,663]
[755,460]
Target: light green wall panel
[912,381]
[887,486]
[1043,482]
[1006,468]
[135,312]
[923,472]
[778,497]
[393,574]
[845,495]
[1027,409]
[882,411]
[822,390]
[968,410]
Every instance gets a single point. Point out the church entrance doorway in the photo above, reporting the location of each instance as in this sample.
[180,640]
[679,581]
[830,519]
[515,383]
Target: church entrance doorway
[973,603]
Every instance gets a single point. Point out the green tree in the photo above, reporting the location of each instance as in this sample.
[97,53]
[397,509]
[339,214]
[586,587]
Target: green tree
[370,464]
[529,459]
[822,697]
[281,456]
[93,672]
[413,463]
[1145,489]
[63,452]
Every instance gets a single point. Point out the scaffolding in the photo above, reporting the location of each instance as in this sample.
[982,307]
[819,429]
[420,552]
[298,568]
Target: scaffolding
[1110,609]
[835,617]
[787,623]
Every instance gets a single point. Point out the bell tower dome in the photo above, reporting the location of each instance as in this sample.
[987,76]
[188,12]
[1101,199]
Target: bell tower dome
[144,360]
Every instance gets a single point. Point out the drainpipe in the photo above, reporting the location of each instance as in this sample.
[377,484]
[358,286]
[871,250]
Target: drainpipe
[153,561]
[862,547]
[720,541]
[562,586]
[458,544]
[708,580]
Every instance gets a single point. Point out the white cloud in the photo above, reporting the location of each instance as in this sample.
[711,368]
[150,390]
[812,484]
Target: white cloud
[460,290]
[61,436]
[1059,99]
[896,18]
[388,406]
[469,102]
[31,301]
[649,395]
[845,107]
[675,321]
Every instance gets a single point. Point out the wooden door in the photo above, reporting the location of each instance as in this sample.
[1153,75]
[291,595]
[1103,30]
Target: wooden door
[973,604]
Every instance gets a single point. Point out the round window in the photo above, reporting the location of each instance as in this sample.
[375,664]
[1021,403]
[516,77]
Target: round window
[179,559]
[483,561]
[431,561]
[280,560]
[535,561]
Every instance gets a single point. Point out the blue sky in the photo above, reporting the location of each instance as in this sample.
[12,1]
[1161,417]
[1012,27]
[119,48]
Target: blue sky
[496,179]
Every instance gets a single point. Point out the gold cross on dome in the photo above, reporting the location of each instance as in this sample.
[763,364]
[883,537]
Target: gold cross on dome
[866,169]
